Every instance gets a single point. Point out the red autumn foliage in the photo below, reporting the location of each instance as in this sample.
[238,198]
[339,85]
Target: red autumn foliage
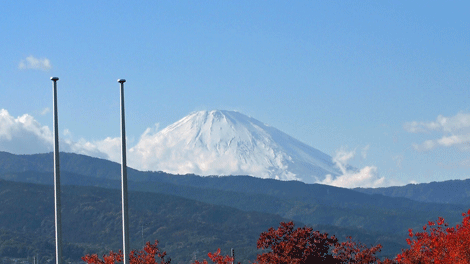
[295,246]
[439,243]
[356,252]
[146,256]
[304,245]
[217,258]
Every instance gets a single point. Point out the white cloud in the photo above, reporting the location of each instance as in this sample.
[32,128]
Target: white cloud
[25,135]
[365,177]
[342,157]
[452,140]
[465,163]
[419,127]
[364,151]
[35,64]
[67,132]
[453,124]
[425,146]
[45,111]
[455,131]
[398,160]
[109,148]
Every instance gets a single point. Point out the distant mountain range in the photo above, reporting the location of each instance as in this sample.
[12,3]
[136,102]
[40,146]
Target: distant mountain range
[452,191]
[223,142]
[243,205]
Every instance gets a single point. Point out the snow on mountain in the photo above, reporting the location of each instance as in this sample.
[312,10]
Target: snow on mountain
[230,143]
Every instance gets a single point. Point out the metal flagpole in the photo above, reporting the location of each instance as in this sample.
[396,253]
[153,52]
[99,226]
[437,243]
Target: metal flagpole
[232,254]
[58,221]
[125,214]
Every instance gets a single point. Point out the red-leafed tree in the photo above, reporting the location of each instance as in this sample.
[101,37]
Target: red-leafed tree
[356,252]
[304,245]
[148,255]
[439,243]
[295,246]
[216,258]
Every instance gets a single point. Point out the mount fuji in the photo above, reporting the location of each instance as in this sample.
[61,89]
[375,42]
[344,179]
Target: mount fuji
[229,143]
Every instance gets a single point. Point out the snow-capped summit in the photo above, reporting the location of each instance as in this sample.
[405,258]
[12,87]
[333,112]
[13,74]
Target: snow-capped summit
[229,143]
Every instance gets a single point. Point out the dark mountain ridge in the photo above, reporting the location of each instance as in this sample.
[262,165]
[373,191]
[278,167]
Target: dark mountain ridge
[446,192]
[309,203]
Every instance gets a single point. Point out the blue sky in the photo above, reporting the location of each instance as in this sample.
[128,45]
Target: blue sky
[385,81]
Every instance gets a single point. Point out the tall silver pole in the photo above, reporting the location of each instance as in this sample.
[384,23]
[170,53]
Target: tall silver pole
[58,220]
[125,214]
[232,254]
